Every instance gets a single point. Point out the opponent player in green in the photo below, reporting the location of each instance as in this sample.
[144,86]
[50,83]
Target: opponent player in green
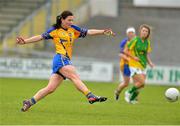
[138,50]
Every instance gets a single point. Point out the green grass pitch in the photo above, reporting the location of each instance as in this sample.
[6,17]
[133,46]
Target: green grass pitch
[66,106]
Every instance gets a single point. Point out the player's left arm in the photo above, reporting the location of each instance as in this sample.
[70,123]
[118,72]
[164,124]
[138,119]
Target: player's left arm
[100,32]
[82,32]
[151,64]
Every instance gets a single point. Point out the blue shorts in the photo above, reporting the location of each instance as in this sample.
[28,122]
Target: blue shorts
[58,62]
[126,70]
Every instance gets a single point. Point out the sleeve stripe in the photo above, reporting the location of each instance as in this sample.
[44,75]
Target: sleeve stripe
[46,35]
[132,44]
[83,31]
[76,28]
[149,47]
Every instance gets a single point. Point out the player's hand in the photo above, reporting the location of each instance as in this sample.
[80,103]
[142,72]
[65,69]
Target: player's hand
[128,59]
[20,41]
[152,65]
[109,32]
[136,58]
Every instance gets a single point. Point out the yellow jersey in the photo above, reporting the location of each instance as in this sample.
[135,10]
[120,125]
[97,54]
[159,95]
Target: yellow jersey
[63,39]
[122,46]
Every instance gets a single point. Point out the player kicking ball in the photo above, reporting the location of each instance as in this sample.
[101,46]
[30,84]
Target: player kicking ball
[63,34]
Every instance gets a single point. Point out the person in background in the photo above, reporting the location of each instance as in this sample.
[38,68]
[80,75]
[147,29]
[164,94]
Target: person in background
[124,67]
[138,50]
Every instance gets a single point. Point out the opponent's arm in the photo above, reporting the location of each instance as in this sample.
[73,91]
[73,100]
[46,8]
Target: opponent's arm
[21,41]
[127,52]
[151,64]
[123,56]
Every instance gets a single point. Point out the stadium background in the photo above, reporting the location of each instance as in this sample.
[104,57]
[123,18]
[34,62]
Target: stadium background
[100,54]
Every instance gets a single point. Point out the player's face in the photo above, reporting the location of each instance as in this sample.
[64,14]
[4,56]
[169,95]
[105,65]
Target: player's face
[144,33]
[130,35]
[66,23]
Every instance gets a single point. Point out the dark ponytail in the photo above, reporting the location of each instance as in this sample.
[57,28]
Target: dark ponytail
[63,15]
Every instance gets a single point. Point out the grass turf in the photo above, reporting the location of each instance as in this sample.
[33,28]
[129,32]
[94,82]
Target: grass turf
[66,106]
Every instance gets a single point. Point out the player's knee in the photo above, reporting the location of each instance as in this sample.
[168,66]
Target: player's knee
[73,76]
[141,84]
[50,90]
[126,83]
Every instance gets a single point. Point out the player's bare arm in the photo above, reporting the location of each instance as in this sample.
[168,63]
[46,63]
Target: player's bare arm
[100,32]
[21,41]
[127,52]
[124,56]
[151,64]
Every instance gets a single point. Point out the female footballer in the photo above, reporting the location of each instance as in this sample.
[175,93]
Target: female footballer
[63,34]
[138,50]
[124,67]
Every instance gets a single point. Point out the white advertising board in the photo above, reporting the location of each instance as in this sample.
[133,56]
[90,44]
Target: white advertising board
[41,68]
[162,75]
[98,71]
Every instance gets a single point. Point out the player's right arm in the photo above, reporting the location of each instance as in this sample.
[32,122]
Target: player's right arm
[46,35]
[21,41]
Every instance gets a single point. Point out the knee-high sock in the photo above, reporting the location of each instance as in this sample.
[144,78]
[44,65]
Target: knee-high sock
[134,95]
[133,89]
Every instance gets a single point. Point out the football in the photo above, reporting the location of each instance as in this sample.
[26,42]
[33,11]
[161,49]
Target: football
[172,94]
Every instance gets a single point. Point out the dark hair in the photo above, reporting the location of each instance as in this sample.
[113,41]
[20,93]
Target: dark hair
[147,27]
[63,15]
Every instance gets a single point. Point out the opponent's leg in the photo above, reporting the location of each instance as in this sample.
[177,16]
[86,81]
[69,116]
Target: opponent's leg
[121,86]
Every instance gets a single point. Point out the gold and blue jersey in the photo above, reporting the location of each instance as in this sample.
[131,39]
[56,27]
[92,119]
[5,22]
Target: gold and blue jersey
[63,39]
[122,46]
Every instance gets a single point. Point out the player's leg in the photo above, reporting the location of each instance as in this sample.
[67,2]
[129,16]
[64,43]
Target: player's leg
[137,92]
[70,72]
[139,85]
[54,81]
[126,78]
[139,80]
[121,86]
[133,92]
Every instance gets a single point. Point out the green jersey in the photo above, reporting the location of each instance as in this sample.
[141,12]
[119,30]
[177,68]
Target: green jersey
[139,49]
